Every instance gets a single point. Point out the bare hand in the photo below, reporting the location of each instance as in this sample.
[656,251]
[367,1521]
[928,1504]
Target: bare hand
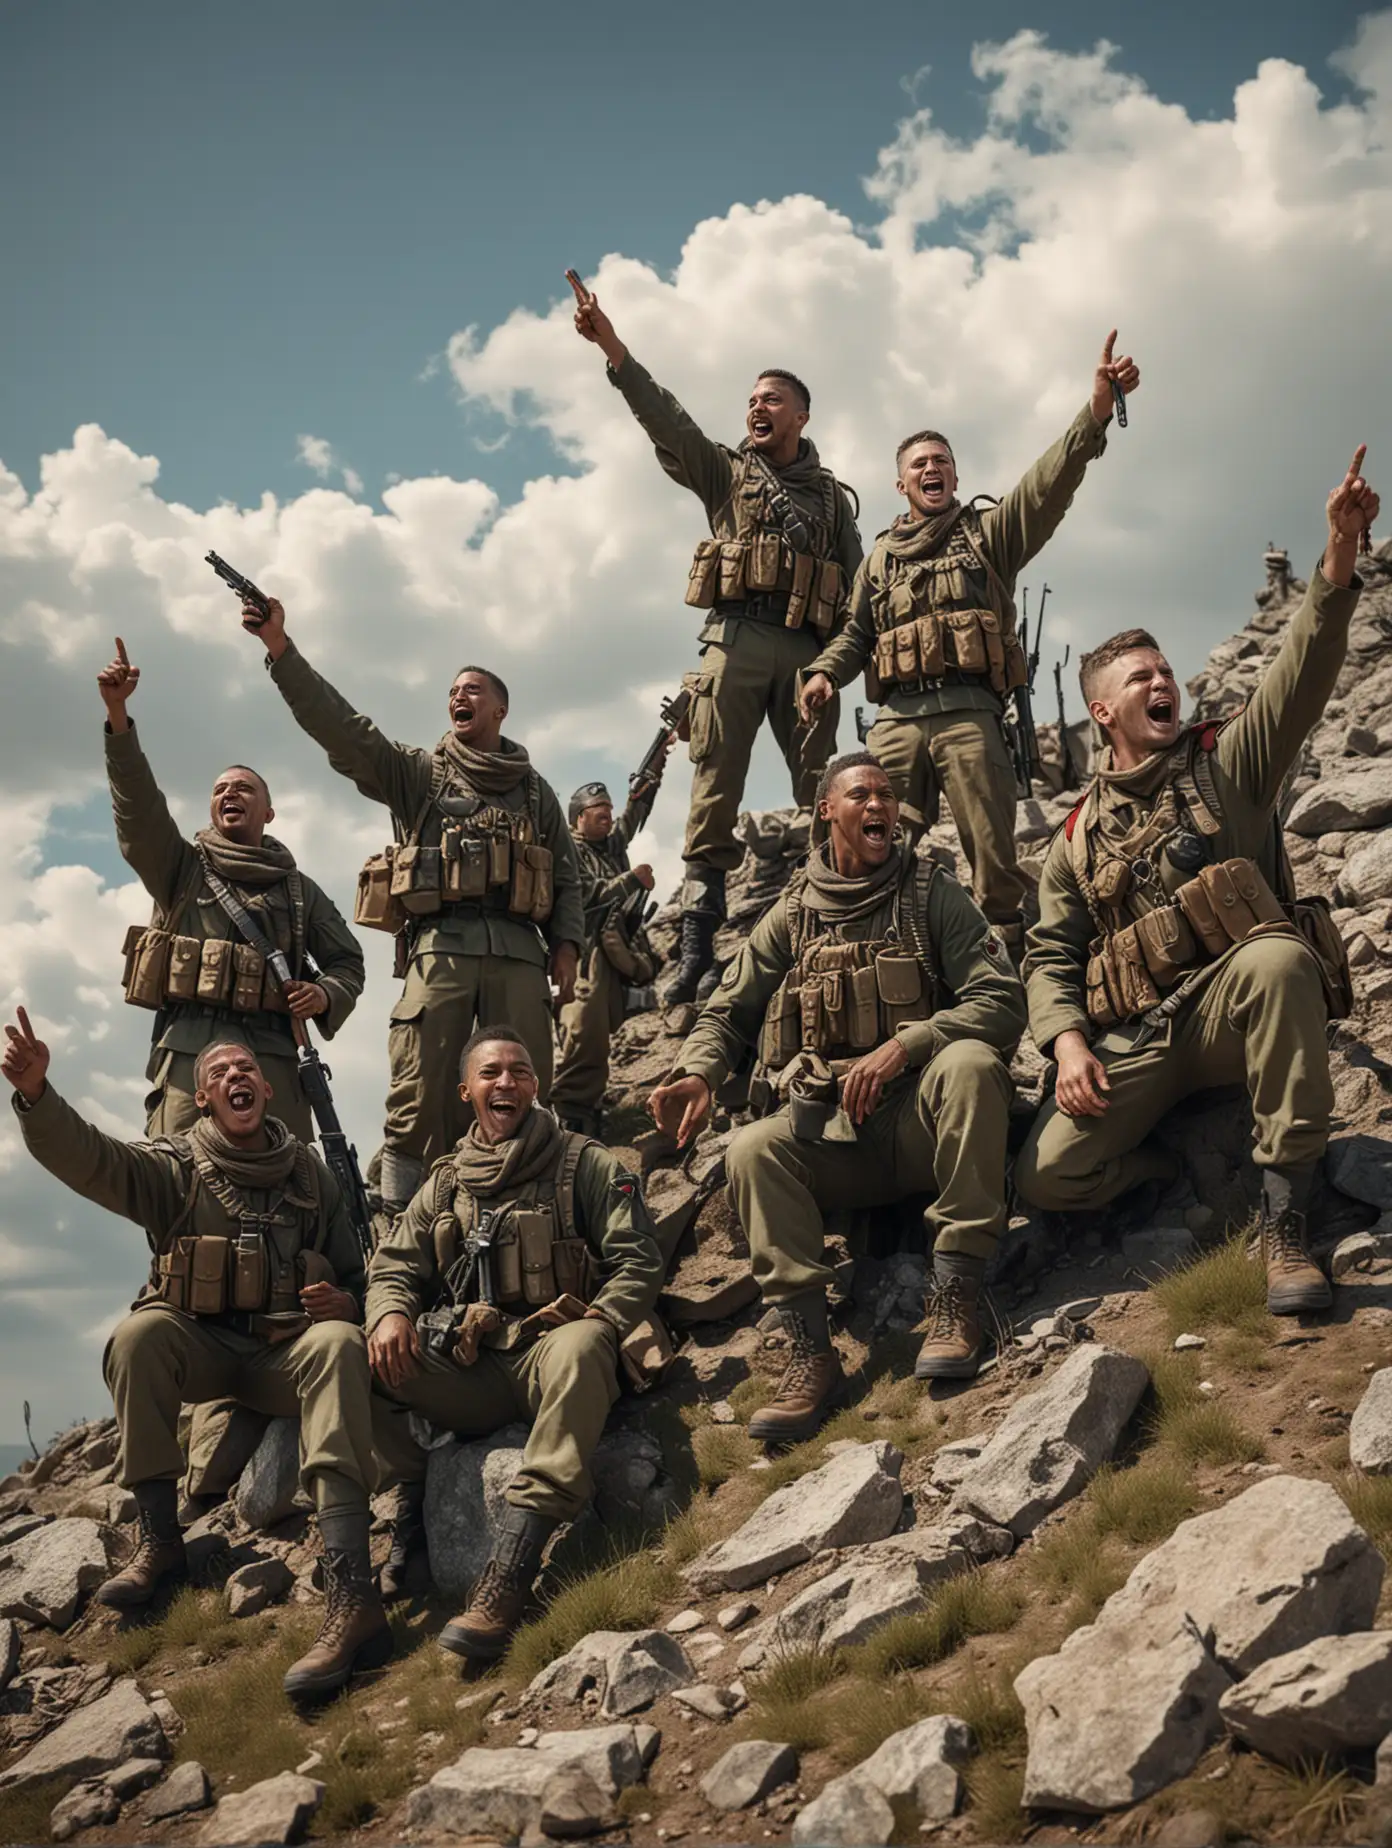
[1124,370]
[270,630]
[864,1083]
[816,692]
[593,324]
[305,999]
[564,967]
[116,682]
[1353,506]
[325,1302]
[25,1060]
[1082,1077]
[644,875]
[680,1106]
[393,1349]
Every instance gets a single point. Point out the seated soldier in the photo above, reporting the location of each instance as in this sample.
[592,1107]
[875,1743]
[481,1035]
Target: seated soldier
[502,1293]
[875,979]
[253,1295]
[1168,956]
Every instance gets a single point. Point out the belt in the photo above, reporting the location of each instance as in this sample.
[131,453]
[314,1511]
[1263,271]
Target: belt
[205,1010]
[767,606]
[263,1325]
[934,683]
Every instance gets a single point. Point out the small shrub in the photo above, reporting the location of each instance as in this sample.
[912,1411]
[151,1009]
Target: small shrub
[1225,1289]
[972,1605]
[624,1595]
[1369,1501]
[361,1778]
[995,1785]
[991,1707]
[746,1398]
[1142,1504]
[783,1698]
[721,1452]
[1072,1563]
[1209,1433]
[1321,1802]
[877,1708]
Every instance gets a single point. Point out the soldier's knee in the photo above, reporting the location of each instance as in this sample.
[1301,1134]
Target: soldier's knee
[967,1066]
[1278,966]
[334,1344]
[756,1143]
[584,1350]
[141,1340]
[1043,1178]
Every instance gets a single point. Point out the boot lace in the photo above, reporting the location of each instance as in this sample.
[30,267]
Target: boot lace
[150,1544]
[342,1599]
[800,1374]
[946,1310]
[1285,1241]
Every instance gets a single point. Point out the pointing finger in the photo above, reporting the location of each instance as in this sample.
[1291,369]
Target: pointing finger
[121,654]
[1107,346]
[25,1028]
[1355,468]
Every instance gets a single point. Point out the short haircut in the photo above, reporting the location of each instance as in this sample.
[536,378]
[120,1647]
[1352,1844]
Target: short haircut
[923,436]
[498,685]
[789,378]
[851,760]
[1125,641]
[484,1036]
[205,1058]
[251,771]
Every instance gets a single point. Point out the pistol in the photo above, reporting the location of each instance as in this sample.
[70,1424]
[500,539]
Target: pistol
[242,587]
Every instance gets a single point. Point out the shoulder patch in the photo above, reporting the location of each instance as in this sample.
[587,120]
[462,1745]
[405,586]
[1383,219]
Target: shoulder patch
[625,1183]
[993,946]
[1072,820]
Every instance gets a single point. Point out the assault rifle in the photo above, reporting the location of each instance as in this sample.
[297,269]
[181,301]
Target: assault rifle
[1071,779]
[1020,733]
[864,726]
[241,587]
[673,714]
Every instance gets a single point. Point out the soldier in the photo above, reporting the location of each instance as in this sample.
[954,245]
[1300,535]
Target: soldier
[932,622]
[484,867]
[876,976]
[607,883]
[534,1250]
[773,578]
[1169,955]
[254,1293]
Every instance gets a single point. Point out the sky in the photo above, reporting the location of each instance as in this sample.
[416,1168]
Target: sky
[286,281]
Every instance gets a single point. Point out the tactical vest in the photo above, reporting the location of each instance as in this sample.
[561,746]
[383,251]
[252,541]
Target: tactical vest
[845,996]
[761,564]
[245,1276]
[944,619]
[166,969]
[462,853]
[610,928]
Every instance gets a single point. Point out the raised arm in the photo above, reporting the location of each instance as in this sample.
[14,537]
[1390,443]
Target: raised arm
[146,832]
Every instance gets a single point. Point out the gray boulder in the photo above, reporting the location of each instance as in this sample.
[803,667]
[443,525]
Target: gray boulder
[850,1812]
[852,1498]
[278,1809]
[1356,797]
[1366,875]
[86,1806]
[1361,1167]
[10,1650]
[119,1726]
[185,1789]
[748,1772]
[573,1805]
[1052,1442]
[252,1587]
[628,1669]
[919,1766]
[499,1793]
[1332,1696]
[48,1574]
[129,1779]
[268,1489]
[1370,1429]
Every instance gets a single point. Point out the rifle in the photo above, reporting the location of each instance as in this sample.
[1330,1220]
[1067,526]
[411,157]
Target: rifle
[241,586]
[673,714]
[1071,779]
[864,726]
[479,1244]
[1020,732]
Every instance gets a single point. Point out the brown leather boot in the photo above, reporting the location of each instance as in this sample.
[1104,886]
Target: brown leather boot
[1295,1284]
[484,1631]
[407,1541]
[952,1347]
[355,1633]
[158,1559]
[813,1383]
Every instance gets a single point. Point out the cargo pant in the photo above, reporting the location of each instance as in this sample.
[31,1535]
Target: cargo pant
[744,681]
[1260,1021]
[444,998]
[964,755]
[562,1385]
[588,1024]
[941,1131]
[159,1359]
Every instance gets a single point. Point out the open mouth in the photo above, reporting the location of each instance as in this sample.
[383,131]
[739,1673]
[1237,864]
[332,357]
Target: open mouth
[761,428]
[1160,711]
[932,484]
[462,714]
[503,1108]
[876,830]
[242,1098]
[232,811]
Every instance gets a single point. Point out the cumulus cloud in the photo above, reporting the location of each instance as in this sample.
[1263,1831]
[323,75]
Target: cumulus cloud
[1244,260]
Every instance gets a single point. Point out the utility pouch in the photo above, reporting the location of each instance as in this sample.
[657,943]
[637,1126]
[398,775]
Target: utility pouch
[507,1258]
[1312,920]
[1249,883]
[800,597]
[207,1293]
[813,1019]
[731,568]
[451,862]
[1167,943]
[1194,901]
[1016,665]
[574,1268]
[130,946]
[536,1235]
[150,969]
[930,647]
[905,651]
[539,859]
[215,971]
[830,588]
[1138,991]
[704,575]
[1112,880]
[522,892]
[863,1026]
[899,978]
[885,671]
[645,1354]
[248,975]
[174,1268]
[471,873]
[1103,995]
[812,1098]
[765,561]
[838,1023]
[702,716]
[375,907]
[416,879]
[782,1030]
[968,643]
[250,1272]
[501,852]
[994,644]
[1231,909]
[182,981]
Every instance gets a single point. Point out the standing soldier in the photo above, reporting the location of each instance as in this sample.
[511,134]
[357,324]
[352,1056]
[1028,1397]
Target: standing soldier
[254,1292]
[1171,954]
[932,622]
[773,578]
[482,878]
[613,956]
[873,979]
[530,1255]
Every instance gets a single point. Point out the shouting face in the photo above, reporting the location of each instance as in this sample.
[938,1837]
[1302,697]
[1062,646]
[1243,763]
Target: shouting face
[861,814]
[775,419]
[1136,702]
[241,806]
[501,1085]
[596,823]
[233,1091]
[476,712]
[927,477]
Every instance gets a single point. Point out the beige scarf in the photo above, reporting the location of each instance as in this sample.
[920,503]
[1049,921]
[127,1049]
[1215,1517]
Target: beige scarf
[284,1164]
[492,773]
[487,1169]
[241,864]
[911,538]
[840,899]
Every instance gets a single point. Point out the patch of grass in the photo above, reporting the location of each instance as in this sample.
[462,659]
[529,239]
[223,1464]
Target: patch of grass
[990,1706]
[24,1813]
[1320,1802]
[1074,1565]
[192,1620]
[995,1784]
[637,1800]
[236,1714]
[1144,1503]
[1369,1501]
[783,1698]
[1225,1289]
[623,1595]
[691,1531]
[1209,1433]
[722,1451]
[746,1398]
[972,1605]
[874,1710]
[361,1777]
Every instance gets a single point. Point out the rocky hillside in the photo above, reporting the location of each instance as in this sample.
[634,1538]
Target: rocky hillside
[1129,1586]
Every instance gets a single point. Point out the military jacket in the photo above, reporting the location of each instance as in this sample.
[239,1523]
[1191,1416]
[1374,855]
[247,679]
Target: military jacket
[605,874]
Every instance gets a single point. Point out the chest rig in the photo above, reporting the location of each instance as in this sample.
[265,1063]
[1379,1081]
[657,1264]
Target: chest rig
[169,968]
[775,555]
[945,619]
[461,852]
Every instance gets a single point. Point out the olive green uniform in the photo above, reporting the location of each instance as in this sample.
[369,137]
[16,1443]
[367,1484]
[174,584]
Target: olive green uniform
[472,963]
[940,724]
[563,1382]
[590,1021]
[1260,1017]
[169,868]
[160,1357]
[940,1127]
[750,658]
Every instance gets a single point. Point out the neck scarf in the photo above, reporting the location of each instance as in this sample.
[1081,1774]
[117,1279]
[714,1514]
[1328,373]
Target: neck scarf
[241,864]
[486,1170]
[284,1163]
[492,773]
[913,538]
[840,898]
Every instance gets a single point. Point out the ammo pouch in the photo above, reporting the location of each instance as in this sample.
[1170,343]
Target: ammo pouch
[147,965]
[899,981]
[248,978]
[813,1099]
[1226,902]
[181,983]
[1103,990]
[703,582]
[194,1275]
[215,971]
[700,719]
[376,907]
[730,570]
[464,864]
[415,879]
[530,891]
[781,1034]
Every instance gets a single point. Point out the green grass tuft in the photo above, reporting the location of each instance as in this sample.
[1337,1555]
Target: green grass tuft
[972,1605]
[237,1716]
[995,1786]
[626,1594]
[1369,1501]
[1209,1433]
[876,1709]
[1142,1504]
[691,1531]
[1225,1289]
[722,1451]
[24,1813]
[783,1699]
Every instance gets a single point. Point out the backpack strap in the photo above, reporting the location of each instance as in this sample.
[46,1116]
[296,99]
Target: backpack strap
[182,1150]
[1195,780]
[911,916]
[439,775]
[566,1171]
[796,912]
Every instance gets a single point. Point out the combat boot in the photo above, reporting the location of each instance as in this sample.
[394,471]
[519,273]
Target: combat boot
[1295,1284]
[952,1347]
[813,1383]
[407,1541]
[495,1610]
[158,1559]
[703,910]
[355,1633]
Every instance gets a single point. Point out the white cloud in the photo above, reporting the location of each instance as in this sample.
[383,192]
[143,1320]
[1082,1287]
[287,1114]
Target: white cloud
[1245,260]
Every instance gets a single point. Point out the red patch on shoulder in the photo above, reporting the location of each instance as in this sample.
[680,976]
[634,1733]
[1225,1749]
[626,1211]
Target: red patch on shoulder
[1072,821]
